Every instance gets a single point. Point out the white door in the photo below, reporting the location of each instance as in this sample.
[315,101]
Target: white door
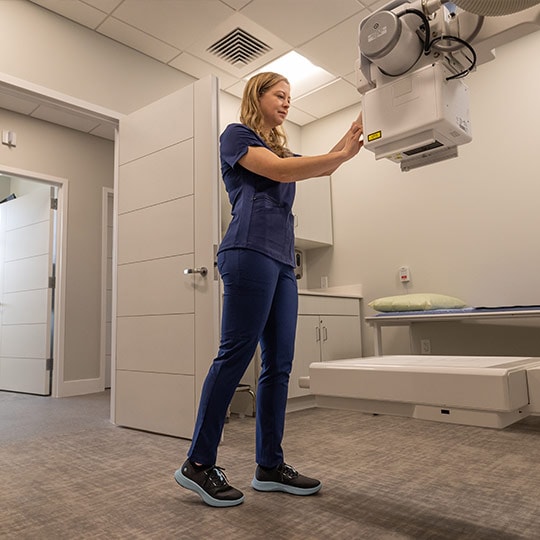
[307,350]
[26,263]
[166,323]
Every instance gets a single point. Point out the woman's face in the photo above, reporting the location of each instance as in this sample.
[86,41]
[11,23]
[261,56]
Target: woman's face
[275,103]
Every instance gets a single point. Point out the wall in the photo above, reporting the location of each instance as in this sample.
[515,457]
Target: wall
[51,51]
[87,163]
[467,227]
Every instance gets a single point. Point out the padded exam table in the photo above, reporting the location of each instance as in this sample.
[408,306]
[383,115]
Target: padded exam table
[408,318]
[484,391]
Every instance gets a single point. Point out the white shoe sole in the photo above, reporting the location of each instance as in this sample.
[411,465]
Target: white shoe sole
[277,486]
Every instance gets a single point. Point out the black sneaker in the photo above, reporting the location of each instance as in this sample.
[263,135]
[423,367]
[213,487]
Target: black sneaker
[211,484]
[284,478]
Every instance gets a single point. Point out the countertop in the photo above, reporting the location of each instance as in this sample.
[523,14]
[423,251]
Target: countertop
[345,291]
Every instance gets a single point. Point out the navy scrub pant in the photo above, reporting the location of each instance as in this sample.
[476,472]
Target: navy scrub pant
[260,304]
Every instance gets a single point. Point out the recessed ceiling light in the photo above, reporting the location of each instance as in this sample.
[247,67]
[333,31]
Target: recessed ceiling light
[304,76]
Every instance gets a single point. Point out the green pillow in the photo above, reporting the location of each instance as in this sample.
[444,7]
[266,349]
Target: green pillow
[416,302]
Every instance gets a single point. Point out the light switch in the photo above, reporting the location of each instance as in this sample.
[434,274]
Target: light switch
[9,138]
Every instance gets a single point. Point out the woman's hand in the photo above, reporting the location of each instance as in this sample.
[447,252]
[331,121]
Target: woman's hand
[359,121]
[356,130]
[358,125]
[352,142]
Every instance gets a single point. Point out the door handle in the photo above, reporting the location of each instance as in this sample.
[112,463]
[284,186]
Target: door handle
[202,270]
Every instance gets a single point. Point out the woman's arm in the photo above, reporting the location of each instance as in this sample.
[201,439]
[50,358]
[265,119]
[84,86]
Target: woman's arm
[262,161]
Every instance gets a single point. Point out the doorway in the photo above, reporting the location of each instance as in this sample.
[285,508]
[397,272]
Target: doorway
[77,341]
[30,271]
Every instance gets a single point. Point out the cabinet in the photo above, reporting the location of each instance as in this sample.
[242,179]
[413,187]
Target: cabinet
[313,213]
[329,328]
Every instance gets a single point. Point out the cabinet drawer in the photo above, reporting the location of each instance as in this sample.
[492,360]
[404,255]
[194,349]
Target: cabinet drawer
[328,305]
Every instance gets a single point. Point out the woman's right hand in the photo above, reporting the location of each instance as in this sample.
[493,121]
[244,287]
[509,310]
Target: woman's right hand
[353,142]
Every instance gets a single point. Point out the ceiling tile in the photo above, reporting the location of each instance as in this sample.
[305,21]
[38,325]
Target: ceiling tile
[374,5]
[236,4]
[138,40]
[74,10]
[323,52]
[198,68]
[301,118]
[329,99]
[351,77]
[300,21]
[177,22]
[108,6]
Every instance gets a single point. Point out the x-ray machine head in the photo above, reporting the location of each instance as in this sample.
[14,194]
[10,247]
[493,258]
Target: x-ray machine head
[413,56]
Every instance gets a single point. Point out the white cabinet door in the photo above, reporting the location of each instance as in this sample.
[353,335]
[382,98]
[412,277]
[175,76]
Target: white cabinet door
[340,337]
[313,213]
[167,200]
[328,329]
[307,350]
[26,255]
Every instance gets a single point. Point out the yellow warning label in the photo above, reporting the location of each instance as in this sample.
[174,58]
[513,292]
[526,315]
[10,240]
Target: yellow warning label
[374,136]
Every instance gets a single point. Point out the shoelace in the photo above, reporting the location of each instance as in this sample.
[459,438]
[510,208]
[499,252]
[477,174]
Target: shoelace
[217,477]
[288,471]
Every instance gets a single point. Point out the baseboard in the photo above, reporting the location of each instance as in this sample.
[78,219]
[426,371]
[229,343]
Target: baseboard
[300,403]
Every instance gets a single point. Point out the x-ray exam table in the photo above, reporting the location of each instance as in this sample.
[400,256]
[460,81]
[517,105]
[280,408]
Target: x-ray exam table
[473,390]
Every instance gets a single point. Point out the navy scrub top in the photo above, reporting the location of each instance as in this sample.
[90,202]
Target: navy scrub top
[261,208]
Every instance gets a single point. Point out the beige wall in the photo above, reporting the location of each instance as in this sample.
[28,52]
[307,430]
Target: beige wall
[467,227]
[87,162]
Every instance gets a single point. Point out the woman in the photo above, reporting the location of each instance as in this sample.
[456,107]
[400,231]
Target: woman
[260,301]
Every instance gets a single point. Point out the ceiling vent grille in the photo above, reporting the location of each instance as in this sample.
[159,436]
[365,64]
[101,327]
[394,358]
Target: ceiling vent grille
[239,48]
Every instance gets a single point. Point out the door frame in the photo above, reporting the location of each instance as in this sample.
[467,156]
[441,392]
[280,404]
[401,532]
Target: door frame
[62,185]
[106,247]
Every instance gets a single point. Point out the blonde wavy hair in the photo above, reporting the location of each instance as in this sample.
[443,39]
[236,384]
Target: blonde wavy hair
[251,116]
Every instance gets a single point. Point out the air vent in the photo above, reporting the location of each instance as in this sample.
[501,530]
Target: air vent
[239,48]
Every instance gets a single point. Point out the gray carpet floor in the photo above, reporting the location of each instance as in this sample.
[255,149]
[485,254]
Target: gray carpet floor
[67,473]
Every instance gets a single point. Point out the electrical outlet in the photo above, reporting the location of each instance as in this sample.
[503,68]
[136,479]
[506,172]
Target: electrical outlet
[425,346]
[324,282]
[404,274]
